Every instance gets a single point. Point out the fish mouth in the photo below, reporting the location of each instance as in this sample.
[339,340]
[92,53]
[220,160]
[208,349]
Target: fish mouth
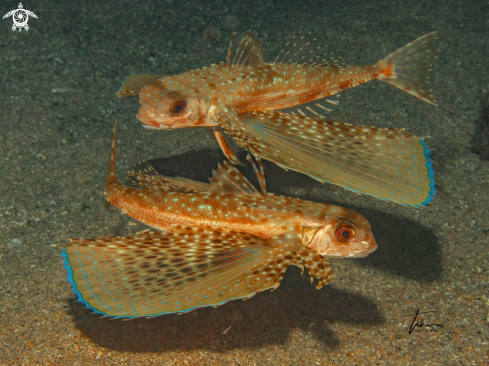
[148,127]
[369,247]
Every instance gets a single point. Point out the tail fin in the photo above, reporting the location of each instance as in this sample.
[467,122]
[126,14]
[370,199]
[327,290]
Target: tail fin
[408,68]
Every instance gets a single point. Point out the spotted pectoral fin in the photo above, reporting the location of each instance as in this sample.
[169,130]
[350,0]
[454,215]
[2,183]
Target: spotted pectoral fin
[390,164]
[153,273]
[248,53]
[150,179]
[317,266]
[133,84]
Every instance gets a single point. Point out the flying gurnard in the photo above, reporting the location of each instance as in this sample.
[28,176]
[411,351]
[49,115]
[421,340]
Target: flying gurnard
[215,243]
[241,98]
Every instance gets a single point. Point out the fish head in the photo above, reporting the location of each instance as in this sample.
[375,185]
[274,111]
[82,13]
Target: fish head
[346,236]
[163,109]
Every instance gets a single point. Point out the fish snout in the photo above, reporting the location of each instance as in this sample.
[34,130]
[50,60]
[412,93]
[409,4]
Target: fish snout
[370,244]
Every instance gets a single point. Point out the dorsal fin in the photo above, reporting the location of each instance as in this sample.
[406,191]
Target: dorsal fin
[133,84]
[307,49]
[228,180]
[248,53]
[149,178]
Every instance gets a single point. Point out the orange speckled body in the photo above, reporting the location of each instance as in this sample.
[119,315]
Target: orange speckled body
[265,218]
[249,84]
[245,89]
[255,104]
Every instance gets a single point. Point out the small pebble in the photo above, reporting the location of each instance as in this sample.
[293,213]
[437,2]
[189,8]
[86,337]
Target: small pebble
[16,242]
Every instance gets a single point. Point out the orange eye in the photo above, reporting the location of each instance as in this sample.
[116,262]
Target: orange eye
[178,107]
[345,233]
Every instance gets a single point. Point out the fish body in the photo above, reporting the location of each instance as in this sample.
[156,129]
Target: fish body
[247,83]
[206,258]
[228,203]
[246,89]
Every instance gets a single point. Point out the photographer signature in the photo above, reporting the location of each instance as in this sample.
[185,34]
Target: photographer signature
[420,323]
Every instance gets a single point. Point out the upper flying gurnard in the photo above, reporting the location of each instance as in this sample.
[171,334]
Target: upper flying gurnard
[241,99]
[215,243]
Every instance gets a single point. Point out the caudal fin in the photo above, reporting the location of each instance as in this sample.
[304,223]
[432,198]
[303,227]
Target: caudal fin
[408,68]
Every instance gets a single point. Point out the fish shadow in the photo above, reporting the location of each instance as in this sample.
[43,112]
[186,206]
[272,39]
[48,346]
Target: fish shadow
[267,318]
[405,247]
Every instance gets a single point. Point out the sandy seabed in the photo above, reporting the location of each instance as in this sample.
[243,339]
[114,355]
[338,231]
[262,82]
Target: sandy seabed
[54,151]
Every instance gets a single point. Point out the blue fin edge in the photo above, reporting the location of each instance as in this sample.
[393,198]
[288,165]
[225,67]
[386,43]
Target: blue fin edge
[431,177]
[77,292]
[79,295]
[431,174]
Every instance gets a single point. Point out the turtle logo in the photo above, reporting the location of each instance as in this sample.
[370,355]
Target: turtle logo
[20,17]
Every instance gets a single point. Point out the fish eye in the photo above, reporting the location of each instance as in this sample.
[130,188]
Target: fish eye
[178,106]
[345,233]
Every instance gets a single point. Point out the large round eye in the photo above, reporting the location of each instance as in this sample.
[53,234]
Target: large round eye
[178,107]
[345,233]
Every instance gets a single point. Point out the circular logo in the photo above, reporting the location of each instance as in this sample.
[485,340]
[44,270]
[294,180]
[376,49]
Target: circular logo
[20,18]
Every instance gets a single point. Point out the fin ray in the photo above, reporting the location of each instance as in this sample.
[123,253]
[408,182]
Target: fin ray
[229,180]
[150,179]
[315,108]
[249,52]
[150,274]
[408,68]
[390,164]
[227,146]
[307,49]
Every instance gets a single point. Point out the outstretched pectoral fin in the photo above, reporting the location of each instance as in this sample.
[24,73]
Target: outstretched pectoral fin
[390,164]
[153,273]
